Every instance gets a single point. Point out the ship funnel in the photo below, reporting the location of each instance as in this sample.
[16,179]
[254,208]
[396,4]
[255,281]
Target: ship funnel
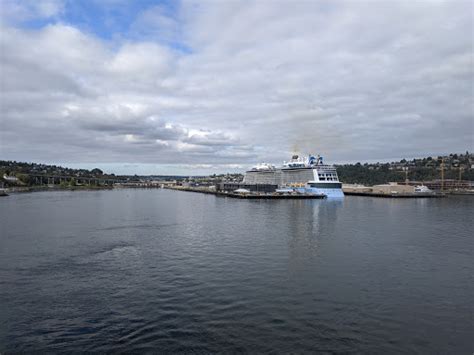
[294,156]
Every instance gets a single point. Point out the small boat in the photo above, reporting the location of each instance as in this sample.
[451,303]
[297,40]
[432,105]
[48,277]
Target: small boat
[3,192]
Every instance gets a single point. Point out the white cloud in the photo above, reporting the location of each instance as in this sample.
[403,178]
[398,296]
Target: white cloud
[349,80]
[141,60]
[156,23]
[13,11]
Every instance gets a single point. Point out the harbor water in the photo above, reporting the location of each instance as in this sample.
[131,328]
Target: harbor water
[170,271]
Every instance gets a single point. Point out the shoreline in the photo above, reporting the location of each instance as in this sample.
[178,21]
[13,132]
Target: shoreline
[27,189]
[401,195]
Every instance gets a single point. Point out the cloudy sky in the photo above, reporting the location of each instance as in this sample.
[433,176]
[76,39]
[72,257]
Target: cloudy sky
[190,87]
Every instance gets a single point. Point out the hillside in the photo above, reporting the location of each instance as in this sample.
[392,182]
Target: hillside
[424,169]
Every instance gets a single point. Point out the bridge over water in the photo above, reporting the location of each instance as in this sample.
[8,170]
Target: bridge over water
[46,179]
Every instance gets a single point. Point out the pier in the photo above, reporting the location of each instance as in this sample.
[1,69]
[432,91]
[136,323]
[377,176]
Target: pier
[250,195]
[395,195]
[390,190]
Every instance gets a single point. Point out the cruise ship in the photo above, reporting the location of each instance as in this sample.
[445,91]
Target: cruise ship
[301,174]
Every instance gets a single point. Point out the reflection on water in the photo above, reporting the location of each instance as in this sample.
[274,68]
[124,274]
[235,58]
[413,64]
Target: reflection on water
[325,215]
[141,270]
[308,222]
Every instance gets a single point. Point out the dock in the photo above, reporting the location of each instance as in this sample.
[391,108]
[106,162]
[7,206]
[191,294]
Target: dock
[396,195]
[390,190]
[252,196]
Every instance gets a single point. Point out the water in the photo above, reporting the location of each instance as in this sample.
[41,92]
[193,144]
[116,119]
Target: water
[144,270]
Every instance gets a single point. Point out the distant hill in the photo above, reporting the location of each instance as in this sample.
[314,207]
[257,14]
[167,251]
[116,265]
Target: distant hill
[423,169]
[25,172]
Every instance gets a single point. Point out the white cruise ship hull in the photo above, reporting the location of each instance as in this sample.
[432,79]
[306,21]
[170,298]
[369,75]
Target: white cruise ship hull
[330,192]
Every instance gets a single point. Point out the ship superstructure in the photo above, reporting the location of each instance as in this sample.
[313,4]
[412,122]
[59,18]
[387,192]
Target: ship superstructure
[302,174]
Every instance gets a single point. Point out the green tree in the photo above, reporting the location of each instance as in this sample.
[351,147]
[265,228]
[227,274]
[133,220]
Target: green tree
[97,171]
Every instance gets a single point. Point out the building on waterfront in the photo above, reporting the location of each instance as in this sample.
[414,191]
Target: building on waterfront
[10,179]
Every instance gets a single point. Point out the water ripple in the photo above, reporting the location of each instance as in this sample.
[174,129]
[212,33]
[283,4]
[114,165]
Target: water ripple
[160,271]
